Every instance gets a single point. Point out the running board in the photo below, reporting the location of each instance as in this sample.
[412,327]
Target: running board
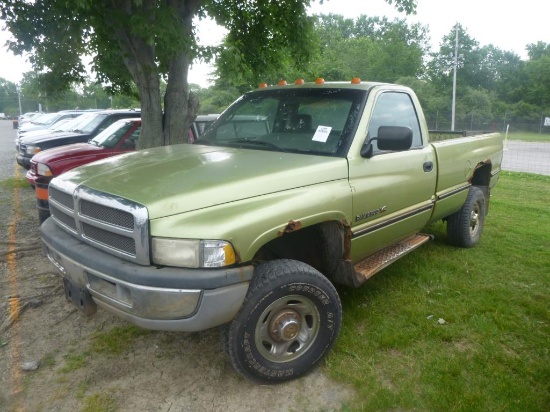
[375,263]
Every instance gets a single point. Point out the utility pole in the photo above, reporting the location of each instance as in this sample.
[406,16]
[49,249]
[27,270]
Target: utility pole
[454,79]
[18,89]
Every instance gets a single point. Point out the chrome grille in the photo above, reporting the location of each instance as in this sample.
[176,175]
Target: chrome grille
[64,198]
[113,240]
[115,225]
[65,219]
[107,214]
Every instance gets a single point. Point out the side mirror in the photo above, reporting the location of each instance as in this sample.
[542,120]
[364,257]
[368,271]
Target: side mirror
[392,138]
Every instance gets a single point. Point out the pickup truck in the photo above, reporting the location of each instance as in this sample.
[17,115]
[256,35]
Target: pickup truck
[293,189]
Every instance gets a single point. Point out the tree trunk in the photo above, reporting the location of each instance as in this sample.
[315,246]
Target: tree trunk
[147,80]
[180,106]
[178,113]
[151,112]
[139,57]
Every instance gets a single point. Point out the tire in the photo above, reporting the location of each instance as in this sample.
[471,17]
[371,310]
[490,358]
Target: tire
[465,226]
[288,323]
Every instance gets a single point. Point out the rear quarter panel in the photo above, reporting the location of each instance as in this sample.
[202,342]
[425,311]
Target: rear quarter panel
[457,161]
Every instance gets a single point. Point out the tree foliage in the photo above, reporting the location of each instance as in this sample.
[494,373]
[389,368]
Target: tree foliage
[144,48]
[144,41]
[340,48]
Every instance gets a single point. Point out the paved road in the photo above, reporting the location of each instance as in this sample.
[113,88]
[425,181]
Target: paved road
[518,156]
[531,157]
[7,150]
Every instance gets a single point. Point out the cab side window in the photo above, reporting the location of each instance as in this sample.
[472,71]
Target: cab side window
[394,109]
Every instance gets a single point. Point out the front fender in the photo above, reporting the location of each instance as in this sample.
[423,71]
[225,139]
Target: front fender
[250,223]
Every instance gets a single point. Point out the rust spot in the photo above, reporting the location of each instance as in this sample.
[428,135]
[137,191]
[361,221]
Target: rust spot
[347,241]
[243,275]
[479,165]
[292,226]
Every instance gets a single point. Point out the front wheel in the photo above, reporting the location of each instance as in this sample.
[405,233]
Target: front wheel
[465,226]
[288,323]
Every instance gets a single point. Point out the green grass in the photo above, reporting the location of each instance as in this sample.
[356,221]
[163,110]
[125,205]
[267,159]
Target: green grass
[492,352]
[99,402]
[528,136]
[74,362]
[13,182]
[117,340]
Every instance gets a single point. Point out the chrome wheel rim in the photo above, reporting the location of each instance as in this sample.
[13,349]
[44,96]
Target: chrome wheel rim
[475,218]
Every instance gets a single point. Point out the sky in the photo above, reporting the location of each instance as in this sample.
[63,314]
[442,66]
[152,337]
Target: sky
[508,25]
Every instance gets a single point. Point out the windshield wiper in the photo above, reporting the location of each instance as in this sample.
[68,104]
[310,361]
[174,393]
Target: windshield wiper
[256,143]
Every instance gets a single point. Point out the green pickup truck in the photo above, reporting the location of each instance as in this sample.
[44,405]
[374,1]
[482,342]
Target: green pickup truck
[293,189]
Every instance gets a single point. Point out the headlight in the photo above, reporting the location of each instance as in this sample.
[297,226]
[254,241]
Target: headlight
[43,170]
[192,253]
[32,150]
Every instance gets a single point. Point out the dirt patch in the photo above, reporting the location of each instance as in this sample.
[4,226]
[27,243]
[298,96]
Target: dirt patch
[103,363]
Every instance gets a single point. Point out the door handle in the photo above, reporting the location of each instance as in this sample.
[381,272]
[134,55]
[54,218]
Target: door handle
[428,166]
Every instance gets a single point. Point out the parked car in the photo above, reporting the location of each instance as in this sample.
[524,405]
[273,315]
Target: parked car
[47,120]
[62,126]
[119,138]
[85,128]
[27,117]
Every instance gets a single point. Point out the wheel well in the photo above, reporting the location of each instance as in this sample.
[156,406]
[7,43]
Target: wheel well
[482,175]
[324,246]
[482,179]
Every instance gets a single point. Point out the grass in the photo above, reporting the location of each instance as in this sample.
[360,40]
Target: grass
[117,340]
[74,362]
[13,182]
[492,351]
[528,136]
[99,402]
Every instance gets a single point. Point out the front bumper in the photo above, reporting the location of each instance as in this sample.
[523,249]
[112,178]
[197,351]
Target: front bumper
[160,298]
[31,177]
[23,161]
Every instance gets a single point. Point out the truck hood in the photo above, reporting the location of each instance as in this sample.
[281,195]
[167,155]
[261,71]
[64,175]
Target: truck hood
[69,151]
[176,179]
[46,137]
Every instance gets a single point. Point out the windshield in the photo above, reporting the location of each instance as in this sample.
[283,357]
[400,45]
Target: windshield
[111,136]
[45,119]
[312,121]
[85,123]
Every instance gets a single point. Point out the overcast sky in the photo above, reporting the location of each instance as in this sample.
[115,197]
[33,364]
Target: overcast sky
[508,25]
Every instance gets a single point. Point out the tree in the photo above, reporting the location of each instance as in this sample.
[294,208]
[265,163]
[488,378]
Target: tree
[371,48]
[142,41]
[342,48]
[8,97]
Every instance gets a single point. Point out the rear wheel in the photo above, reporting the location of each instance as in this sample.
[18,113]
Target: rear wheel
[288,323]
[465,226]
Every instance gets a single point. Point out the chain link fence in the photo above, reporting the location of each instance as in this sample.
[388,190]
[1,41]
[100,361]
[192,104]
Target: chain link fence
[518,156]
[477,122]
